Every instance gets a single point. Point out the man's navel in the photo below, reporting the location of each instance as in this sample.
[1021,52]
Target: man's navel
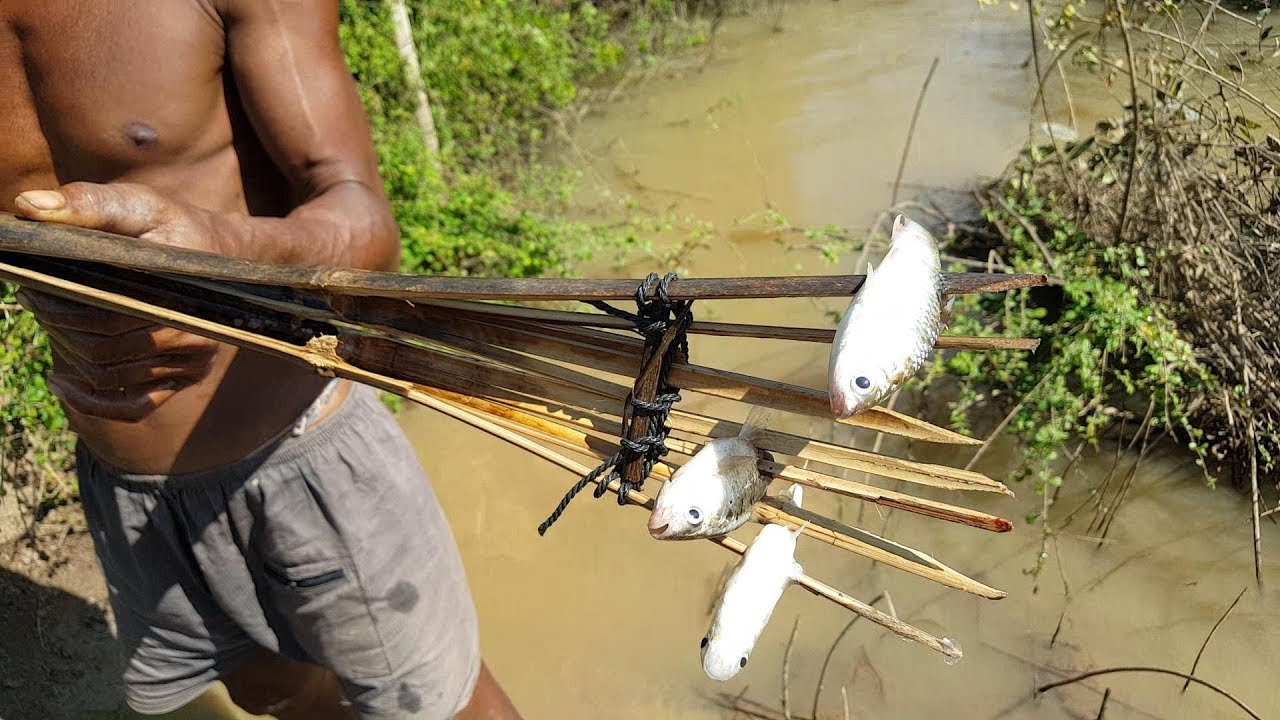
[140,135]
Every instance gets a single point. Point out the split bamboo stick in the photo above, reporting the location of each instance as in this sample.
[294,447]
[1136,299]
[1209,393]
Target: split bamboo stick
[60,241]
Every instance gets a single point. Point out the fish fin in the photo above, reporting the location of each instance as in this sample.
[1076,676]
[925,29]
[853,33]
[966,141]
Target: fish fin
[794,495]
[800,530]
[758,418]
[948,313]
[797,570]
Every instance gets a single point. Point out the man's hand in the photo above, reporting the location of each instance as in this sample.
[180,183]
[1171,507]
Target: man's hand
[112,366]
[123,209]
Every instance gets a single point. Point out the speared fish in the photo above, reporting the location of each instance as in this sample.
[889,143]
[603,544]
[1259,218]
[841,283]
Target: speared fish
[891,325]
[750,595]
[712,494]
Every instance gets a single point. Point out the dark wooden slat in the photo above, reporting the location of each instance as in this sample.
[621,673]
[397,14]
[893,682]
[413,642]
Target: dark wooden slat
[60,241]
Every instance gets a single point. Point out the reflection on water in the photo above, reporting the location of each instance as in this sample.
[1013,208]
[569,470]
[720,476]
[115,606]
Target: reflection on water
[598,620]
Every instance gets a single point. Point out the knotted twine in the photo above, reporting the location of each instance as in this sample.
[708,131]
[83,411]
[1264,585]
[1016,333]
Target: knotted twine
[652,319]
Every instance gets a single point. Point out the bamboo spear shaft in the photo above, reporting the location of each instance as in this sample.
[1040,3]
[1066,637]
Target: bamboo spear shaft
[61,241]
[702,327]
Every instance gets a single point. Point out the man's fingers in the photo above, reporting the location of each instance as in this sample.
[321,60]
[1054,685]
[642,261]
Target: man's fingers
[181,369]
[53,311]
[140,344]
[121,208]
[126,406]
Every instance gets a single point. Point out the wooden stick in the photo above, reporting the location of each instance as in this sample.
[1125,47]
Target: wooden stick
[53,240]
[638,425]
[702,327]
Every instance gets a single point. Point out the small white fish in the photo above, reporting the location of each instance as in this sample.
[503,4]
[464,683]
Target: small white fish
[712,494]
[750,595]
[892,322]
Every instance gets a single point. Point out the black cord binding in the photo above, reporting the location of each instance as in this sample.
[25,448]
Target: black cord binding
[653,317]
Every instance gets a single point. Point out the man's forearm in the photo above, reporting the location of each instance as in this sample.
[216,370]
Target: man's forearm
[347,225]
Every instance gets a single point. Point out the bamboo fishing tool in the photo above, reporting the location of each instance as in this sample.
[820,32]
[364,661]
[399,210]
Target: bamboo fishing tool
[325,359]
[599,385]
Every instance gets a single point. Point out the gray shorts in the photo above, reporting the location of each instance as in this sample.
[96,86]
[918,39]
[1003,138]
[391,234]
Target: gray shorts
[328,547]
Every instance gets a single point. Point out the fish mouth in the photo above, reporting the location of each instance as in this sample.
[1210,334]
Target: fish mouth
[659,531]
[841,407]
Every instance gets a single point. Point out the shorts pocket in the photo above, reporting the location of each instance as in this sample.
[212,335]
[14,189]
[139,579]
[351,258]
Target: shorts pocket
[311,582]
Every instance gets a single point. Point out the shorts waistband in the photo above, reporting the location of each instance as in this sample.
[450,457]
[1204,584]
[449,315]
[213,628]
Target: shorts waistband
[288,448]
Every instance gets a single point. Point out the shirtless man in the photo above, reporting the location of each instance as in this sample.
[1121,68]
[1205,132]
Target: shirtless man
[256,524]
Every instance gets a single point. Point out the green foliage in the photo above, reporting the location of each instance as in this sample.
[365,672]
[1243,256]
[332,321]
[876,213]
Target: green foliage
[1106,353]
[33,430]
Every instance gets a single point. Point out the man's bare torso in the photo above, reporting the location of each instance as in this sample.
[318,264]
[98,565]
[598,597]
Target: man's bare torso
[129,91]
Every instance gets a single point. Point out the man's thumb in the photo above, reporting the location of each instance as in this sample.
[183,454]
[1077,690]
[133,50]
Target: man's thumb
[121,208]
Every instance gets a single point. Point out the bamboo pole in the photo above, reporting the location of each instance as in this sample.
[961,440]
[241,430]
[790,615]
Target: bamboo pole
[61,241]
[698,327]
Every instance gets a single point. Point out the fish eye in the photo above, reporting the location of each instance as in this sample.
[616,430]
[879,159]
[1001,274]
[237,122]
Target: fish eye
[862,381]
[743,662]
[705,640]
[695,516]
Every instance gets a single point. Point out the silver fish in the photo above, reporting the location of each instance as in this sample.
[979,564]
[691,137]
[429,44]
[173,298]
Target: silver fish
[889,330]
[749,597]
[712,494]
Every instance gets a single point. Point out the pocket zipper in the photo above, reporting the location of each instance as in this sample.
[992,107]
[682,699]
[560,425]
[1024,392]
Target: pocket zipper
[322,579]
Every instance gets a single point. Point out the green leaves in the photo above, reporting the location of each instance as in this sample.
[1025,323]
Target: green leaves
[1103,344]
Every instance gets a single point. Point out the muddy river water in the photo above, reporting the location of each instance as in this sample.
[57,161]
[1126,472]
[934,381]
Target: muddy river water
[598,620]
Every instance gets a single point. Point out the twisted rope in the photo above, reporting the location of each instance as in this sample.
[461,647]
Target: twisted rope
[652,319]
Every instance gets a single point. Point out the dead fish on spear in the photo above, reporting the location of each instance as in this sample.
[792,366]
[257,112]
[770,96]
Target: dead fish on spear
[891,325]
[712,494]
[749,597]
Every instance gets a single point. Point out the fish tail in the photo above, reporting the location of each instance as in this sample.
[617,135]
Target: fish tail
[757,419]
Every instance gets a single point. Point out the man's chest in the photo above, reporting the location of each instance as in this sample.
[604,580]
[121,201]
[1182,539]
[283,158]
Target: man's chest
[107,86]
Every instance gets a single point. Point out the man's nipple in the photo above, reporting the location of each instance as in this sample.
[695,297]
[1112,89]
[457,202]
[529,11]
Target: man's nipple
[140,135]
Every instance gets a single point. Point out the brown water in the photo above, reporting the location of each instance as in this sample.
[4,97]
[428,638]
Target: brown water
[598,620]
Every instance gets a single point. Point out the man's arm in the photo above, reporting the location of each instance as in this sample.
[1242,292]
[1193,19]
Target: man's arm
[298,93]
[301,100]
